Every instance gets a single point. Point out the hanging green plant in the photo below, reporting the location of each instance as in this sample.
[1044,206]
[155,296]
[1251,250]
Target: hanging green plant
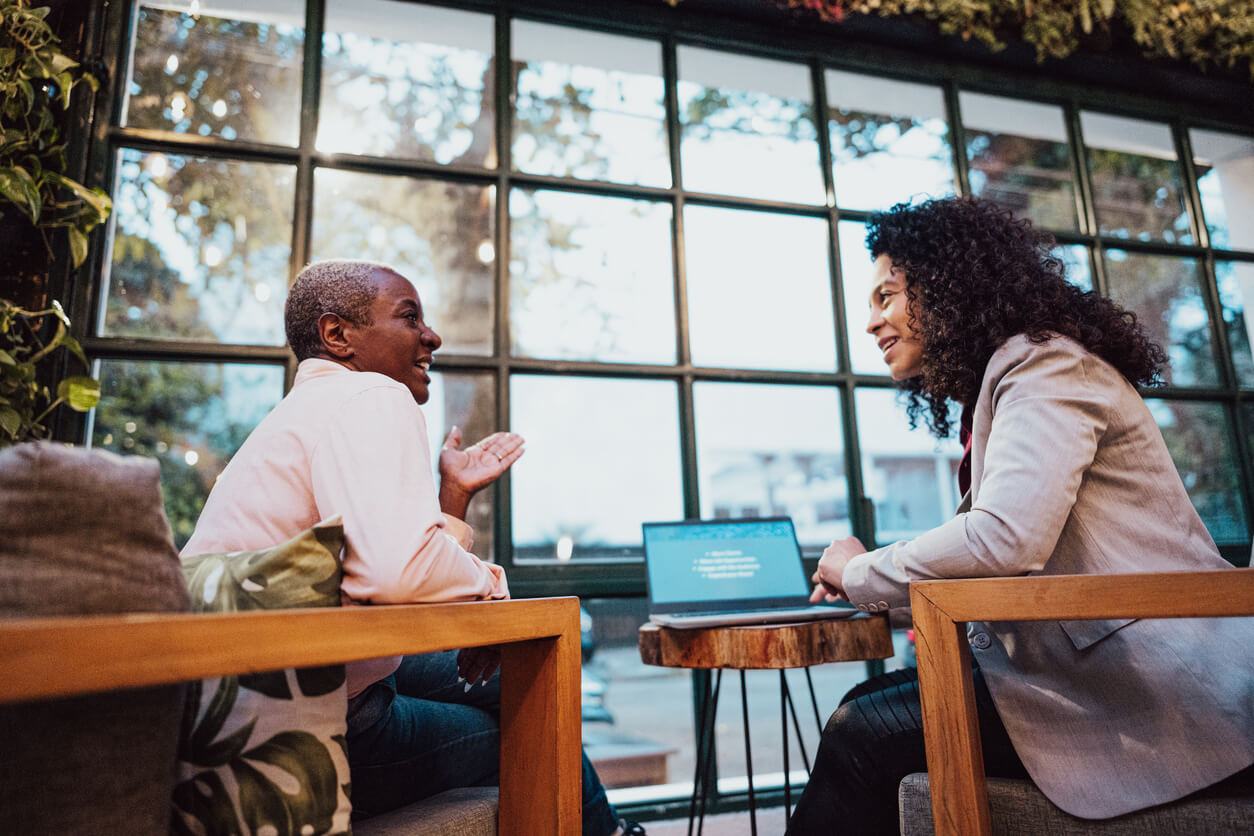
[36,81]
[1209,33]
[24,401]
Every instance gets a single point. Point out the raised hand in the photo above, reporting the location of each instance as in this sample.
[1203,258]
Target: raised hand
[465,472]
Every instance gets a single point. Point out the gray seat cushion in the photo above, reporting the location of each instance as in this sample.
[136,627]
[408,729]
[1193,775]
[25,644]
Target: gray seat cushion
[1018,808]
[83,532]
[469,811]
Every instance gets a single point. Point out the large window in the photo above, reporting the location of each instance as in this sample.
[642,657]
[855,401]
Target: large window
[644,250]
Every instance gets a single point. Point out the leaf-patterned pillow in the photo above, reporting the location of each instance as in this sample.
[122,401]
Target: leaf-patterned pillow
[266,753]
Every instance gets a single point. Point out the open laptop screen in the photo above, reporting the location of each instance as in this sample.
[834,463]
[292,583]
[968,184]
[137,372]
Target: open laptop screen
[724,564]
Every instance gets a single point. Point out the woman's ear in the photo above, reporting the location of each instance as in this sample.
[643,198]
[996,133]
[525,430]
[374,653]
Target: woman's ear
[335,339]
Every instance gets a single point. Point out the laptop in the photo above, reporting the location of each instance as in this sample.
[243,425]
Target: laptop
[712,573]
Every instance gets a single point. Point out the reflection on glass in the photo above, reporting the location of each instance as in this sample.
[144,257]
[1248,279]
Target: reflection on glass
[1137,188]
[621,701]
[766,450]
[1166,295]
[1019,157]
[855,276]
[468,401]
[748,127]
[589,105]
[1236,284]
[199,250]
[403,80]
[1075,258]
[591,278]
[602,457]
[881,158]
[222,72]
[1199,439]
[439,235]
[766,307]
[908,474]
[190,417]
[1225,178]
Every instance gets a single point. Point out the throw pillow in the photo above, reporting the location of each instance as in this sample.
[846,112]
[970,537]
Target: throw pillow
[266,753]
[83,532]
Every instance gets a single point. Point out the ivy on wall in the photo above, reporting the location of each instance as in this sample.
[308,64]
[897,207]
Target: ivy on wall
[1208,33]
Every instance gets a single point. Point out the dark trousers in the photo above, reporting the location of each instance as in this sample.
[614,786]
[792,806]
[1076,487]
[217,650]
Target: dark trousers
[872,741]
[419,732]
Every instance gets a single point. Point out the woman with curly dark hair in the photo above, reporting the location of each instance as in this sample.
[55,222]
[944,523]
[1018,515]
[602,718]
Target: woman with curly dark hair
[1064,472]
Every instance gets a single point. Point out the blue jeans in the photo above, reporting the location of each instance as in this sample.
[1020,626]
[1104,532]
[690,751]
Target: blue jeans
[419,732]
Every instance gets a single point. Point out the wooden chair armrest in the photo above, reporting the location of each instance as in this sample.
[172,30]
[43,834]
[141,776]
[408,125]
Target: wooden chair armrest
[540,727]
[941,609]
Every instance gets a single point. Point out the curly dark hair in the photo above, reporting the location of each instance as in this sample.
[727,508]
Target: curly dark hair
[976,276]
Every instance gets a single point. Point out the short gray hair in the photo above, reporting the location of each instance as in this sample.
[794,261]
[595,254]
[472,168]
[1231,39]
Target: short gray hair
[337,286]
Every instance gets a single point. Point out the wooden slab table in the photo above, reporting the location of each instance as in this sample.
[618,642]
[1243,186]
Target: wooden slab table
[859,637]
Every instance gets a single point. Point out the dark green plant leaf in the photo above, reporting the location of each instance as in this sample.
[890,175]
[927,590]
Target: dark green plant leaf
[271,683]
[10,421]
[264,804]
[79,393]
[205,799]
[315,682]
[62,63]
[216,714]
[72,346]
[226,750]
[78,246]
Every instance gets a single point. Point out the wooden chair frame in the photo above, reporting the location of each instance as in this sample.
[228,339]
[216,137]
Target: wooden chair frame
[941,609]
[540,726]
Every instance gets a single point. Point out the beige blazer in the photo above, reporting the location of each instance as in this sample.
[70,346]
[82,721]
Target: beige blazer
[1070,475]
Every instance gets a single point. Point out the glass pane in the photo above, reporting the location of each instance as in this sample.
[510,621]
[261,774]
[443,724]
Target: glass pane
[591,278]
[222,72]
[589,106]
[765,450]
[602,457]
[637,719]
[439,235]
[466,400]
[200,249]
[748,127]
[403,80]
[792,322]
[881,158]
[1019,157]
[1236,284]
[762,688]
[908,474]
[1200,441]
[190,417]
[1225,177]
[1166,295]
[1075,258]
[855,276]
[1136,179]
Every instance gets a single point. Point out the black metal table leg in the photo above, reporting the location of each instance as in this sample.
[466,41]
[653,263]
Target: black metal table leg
[705,742]
[783,724]
[753,804]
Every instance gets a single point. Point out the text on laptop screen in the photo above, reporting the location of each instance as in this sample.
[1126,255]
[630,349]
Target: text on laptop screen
[736,560]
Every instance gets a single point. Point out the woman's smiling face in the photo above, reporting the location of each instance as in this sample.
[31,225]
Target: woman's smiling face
[891,321]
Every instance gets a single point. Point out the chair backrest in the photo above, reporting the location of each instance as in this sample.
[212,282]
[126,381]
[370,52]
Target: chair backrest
[941,610]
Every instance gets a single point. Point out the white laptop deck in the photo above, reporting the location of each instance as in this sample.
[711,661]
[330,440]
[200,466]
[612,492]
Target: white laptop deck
[714,573]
